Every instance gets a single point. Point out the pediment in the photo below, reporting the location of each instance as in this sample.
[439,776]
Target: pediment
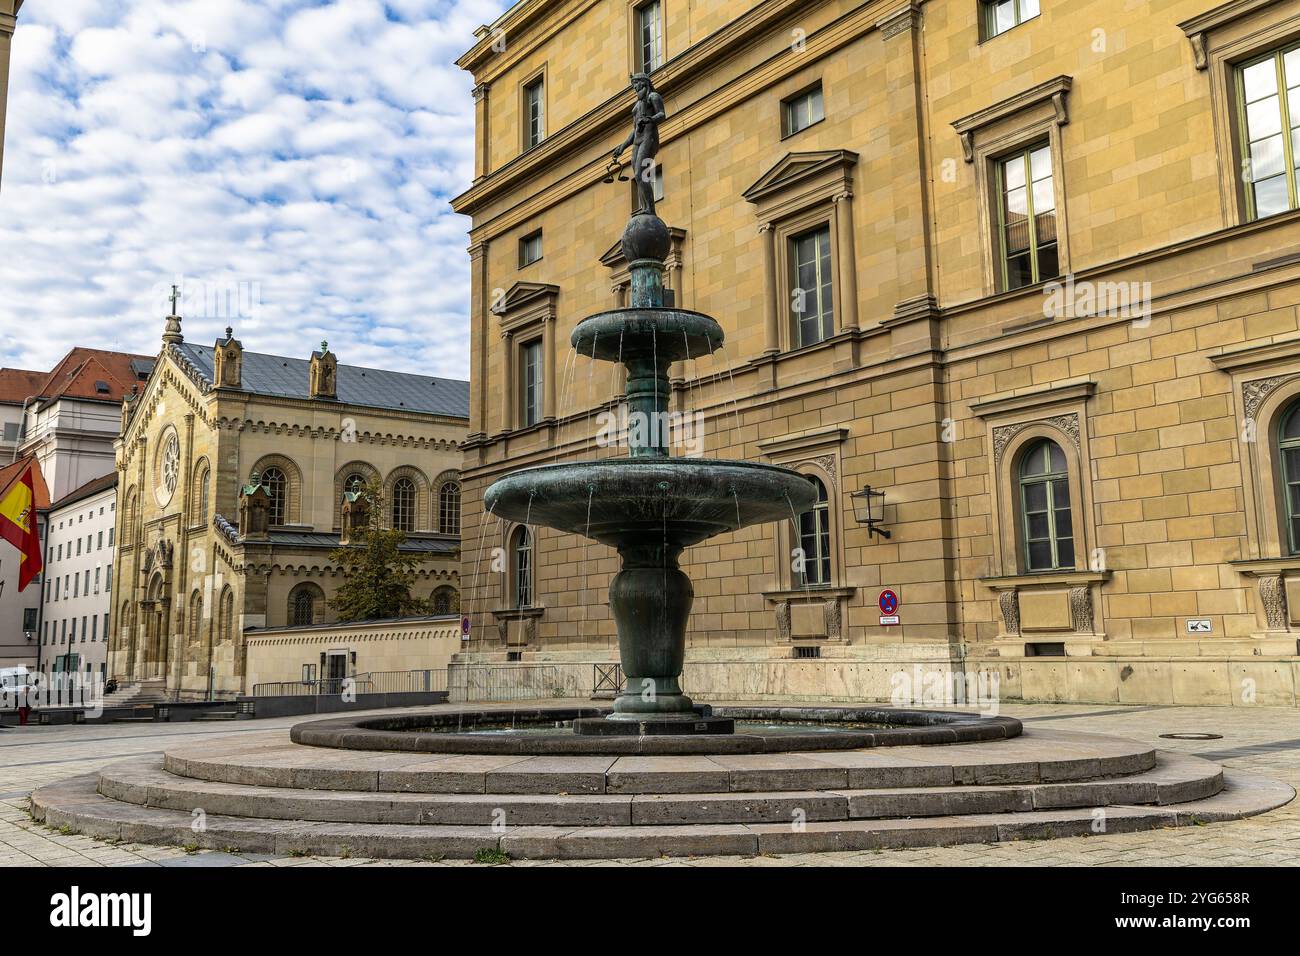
[800,169]
[613,256]
[526,295]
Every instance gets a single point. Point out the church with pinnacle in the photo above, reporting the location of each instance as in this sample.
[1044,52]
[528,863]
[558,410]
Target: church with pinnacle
[233,470]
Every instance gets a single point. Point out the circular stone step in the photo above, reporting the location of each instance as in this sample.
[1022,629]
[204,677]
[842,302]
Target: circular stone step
[1037,756]
[77,805]
[1175,779]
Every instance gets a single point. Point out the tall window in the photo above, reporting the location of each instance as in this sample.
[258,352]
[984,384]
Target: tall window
[802,110]
[532,383]
[449,508]
[404,504]
[1027,218]
[203,495]
[303,607]
[1268,101]
[815,539]
[276,485]
[226,630]
[522,566]
[1288,439]
[649,37]
[534,113]
[999,16]
[811,300]
[1047,523]
[195,616]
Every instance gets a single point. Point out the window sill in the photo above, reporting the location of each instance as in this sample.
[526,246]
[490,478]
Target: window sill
[1255,567]
[812,592]
[1033,579]
[518,613]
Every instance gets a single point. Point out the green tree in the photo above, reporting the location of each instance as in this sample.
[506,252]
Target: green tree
[377,574]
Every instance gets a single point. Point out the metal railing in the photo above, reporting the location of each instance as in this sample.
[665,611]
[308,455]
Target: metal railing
[606,681]
[506,682]
[371,682]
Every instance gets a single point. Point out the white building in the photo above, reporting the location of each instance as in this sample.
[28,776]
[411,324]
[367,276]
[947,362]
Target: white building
[78,584]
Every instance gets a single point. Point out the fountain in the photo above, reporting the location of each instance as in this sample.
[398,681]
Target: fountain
[649,506]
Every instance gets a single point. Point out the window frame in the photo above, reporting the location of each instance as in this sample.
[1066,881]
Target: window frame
[638,40]
[449,496]
[524,244]
[537,346]
[536,81]
[1277,54]
[788,104]
[1024,154]
[826,320]
[1055,482]
[821,537]
[276,501]
[986,17]
[523,563]
[405,496]
[1289,513]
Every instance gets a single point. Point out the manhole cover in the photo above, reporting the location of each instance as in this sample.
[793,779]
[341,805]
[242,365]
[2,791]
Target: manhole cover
[1191,736]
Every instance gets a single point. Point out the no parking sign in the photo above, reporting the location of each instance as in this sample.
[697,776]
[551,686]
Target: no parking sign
[888,607]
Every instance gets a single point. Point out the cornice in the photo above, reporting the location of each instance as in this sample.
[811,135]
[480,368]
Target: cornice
[701,58]
[1255,356]
[1056,91]
[1034,398]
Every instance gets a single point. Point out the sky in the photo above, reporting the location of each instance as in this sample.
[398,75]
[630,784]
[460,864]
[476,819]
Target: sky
[288,163]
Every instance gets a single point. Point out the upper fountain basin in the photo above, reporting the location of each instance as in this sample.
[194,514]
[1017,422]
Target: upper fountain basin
[629,501]
[670,335]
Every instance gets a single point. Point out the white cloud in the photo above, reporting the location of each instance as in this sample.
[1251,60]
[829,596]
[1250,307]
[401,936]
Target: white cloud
[301,153]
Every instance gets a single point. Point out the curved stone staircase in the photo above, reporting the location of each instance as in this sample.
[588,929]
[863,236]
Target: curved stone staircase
[275,796]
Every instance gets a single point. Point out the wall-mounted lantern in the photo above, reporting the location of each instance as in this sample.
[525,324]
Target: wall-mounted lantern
[869,509]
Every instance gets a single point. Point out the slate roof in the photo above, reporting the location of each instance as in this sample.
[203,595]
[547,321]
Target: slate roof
[92,487]
[326,539]
[377,388]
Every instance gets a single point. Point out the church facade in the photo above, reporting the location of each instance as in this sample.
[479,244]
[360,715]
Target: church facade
[233,471]
[1012,283]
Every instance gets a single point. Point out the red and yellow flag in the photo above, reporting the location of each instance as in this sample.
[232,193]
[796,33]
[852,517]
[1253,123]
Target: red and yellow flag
[18,524]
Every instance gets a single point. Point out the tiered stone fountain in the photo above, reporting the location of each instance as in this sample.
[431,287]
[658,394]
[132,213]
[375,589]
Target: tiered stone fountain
[650,506]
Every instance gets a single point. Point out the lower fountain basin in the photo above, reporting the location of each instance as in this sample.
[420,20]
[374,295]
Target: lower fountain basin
[675,501]
[550,730]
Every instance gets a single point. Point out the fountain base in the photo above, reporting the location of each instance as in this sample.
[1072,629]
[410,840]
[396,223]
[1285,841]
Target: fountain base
[699,720]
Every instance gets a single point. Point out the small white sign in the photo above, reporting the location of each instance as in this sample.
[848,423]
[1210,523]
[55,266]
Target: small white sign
[1199,625]
[889,619]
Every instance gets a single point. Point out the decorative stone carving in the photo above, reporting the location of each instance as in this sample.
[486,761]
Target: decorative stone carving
[908,18]
[1254,393]
[1003,434]
[1010,605]
[833,622]
[1272,594]
[827,463]
[783,620]
[1081,609]
[530,630]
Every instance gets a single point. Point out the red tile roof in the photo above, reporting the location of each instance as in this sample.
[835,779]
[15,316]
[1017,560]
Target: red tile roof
[19,384]
[77,375]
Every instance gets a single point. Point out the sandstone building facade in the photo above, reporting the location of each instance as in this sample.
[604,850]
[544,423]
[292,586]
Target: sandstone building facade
[1027,267]
[234,468]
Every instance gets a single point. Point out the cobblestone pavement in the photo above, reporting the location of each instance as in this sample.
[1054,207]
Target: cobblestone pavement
[1262,740]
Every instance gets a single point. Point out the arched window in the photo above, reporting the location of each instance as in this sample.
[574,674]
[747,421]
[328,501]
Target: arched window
[128,519]
[277,487]
[203,495]
[195,616]
[449,508]
[446,600]
[354,482]
[404,504]
[815,539]
[1047,525]
[1288,446]
[303,607]
[521,555]
[226,628]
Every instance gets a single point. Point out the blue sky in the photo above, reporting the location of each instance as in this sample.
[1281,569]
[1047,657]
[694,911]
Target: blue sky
[288,161]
